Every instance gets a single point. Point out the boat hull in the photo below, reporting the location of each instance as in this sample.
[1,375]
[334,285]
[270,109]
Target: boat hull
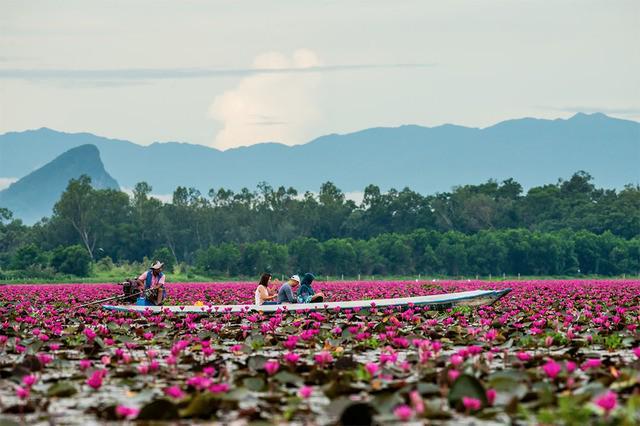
[465,298]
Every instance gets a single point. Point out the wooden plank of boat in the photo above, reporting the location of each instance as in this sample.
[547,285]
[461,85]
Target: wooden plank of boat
[466,298]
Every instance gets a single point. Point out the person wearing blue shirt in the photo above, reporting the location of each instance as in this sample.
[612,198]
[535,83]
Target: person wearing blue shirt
[305,293]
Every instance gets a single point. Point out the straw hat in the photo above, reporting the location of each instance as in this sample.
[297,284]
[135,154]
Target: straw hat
[157,265]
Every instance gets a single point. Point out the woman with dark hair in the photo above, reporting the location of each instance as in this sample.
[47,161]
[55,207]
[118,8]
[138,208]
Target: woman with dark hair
[305,291]
[263,295]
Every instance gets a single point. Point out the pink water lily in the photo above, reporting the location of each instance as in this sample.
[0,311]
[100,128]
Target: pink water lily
[174,392]
[271,366]
[471,404]
[552,369]
[403,413]
[607,402]
[126,412]
[305,392]
[95,381]
[323,358]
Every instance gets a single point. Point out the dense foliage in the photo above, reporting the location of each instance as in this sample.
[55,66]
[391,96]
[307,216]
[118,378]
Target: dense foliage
[492,228]
[551,352]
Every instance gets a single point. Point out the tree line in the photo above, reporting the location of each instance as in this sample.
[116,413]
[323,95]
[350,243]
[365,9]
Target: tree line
[492,228]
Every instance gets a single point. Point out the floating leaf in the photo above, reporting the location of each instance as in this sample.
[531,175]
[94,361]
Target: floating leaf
[159,409]
[254,383]
[62,389]
[286,377]
[468,386]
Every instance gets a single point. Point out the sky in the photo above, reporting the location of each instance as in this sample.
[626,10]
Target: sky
[235,73]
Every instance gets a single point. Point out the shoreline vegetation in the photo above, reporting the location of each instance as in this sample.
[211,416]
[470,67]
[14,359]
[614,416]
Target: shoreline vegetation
[182,278]
[491,230]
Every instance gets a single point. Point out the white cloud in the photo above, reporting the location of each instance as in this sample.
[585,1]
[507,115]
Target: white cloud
[274,107]
[6,181]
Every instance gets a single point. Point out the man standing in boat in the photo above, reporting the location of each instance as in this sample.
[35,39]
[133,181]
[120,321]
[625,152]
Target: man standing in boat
[153,280]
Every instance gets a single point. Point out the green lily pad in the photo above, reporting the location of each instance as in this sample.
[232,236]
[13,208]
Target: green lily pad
[160,409]
[62,389]
[254,383]
[202,405]
[468,386]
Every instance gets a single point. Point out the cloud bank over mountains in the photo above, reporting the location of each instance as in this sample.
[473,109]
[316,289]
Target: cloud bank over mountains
[270,106]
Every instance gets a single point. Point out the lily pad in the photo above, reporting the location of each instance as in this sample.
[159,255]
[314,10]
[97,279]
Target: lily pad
[62,389]
[466,386]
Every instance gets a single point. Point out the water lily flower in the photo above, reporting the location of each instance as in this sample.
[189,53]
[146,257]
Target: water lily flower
[199,382]
[591,364]
[291,358]
[552,369]
[636,351]
[89,334]
[95,381]
[219,388]
[85,364]
[491,396]
[372,368]
[44,358]
[570,366]
[403,413]
[127,412]
[323,358]
[271,366]
[22,393]
[416,401]
[54,346]
[523,356]
[471,404]
[453,375]
[174,392]
[29,380]
[456,360]
[607,402]
[305,392]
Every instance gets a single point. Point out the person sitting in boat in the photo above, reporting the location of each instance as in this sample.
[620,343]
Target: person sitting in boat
[263,295]
[153,280]
[286,290]
[305,292]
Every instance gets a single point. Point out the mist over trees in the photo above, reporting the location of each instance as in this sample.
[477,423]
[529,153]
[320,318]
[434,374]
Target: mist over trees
[568,227]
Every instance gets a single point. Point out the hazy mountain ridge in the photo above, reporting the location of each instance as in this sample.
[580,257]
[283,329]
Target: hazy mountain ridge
[532,151]
[33,196]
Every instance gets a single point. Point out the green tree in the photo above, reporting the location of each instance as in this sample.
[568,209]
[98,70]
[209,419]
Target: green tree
[28,256]
[77,206]
[71,260]
[164,255]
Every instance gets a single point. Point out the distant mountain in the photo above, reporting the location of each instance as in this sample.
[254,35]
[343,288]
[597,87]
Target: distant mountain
[33,196]
[428,160]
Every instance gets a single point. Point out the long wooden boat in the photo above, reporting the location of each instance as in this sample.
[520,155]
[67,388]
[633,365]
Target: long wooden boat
[465,298]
